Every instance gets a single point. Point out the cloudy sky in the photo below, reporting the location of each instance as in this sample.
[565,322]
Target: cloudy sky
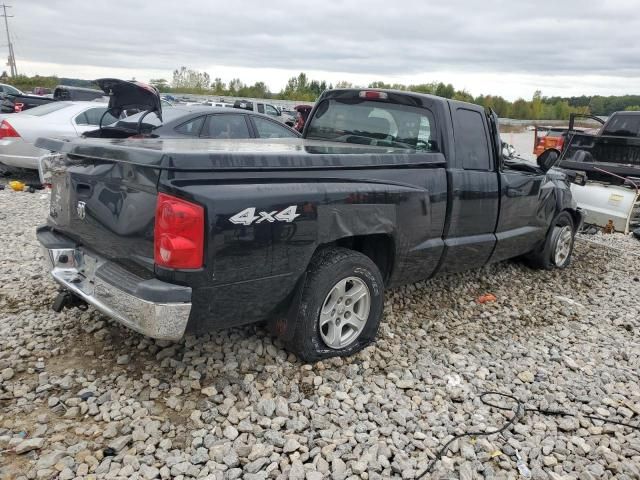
[509,48]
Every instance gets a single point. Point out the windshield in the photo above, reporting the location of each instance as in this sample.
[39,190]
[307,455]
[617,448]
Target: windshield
[624,125]
[373,123]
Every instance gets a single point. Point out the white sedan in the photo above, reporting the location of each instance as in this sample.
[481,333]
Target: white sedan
[19,131]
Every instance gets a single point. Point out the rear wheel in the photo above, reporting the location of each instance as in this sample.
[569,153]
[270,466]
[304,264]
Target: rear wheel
[558,246]
[341,305]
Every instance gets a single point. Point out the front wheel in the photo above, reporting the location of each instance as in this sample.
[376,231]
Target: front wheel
[341,305]
[558,246]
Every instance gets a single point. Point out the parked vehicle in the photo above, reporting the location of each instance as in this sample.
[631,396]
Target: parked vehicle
[614,149]
[260,107]
[610,159]
[211,103]
[42,91]
[19,102]
[18,132]
[9,89]
[386,188]
[197,122]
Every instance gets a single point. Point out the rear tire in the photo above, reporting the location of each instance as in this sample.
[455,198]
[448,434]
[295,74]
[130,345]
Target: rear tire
[557,248]
[341,305]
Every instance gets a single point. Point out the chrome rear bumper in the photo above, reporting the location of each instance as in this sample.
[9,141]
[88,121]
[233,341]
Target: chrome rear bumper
[120,294]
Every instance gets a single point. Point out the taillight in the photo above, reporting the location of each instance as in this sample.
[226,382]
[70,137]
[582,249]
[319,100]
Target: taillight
[178,233]
[17,107]
[7,131]
[560,143]
[373,95]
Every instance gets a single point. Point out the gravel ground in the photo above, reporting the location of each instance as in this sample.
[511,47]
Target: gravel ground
[83,397]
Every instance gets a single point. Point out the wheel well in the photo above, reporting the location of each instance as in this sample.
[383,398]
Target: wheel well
[575,216]
[378,247]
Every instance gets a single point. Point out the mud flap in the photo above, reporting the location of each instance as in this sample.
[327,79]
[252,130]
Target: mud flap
[284,325]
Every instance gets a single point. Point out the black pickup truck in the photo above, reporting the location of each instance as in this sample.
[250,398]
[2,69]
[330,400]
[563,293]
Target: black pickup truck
[385,188]
[610,155]
[19,102]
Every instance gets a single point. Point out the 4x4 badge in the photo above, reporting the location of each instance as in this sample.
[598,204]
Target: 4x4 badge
[248,216]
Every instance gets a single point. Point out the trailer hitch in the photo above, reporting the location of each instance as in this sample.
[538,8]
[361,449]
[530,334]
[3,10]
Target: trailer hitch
[66,299]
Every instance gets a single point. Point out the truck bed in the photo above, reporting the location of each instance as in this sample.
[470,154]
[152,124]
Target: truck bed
[254,154]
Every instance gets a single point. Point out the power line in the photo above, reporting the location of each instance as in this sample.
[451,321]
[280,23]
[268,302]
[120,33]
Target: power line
[12,57]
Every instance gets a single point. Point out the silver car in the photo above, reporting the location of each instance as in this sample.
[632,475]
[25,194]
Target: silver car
[19,131]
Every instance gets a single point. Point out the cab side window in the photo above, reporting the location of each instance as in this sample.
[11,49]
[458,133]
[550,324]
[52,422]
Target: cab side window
[271,111]
[260,107]
[472,147]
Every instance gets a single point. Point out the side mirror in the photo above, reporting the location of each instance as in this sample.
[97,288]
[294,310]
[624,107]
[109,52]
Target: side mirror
[548,159]
[508,151]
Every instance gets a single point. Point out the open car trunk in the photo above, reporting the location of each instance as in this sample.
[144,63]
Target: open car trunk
[127,98]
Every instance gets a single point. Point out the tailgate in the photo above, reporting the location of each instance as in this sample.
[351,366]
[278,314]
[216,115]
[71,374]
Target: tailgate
[107,206]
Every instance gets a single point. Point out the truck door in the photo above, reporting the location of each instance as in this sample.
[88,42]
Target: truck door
[473,191]
[525,205]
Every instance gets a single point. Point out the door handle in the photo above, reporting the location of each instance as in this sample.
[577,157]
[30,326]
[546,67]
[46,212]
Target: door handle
[515,192]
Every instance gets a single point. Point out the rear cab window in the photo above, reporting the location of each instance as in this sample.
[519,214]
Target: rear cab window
[375,123]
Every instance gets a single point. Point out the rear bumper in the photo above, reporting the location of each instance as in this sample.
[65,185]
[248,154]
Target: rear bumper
[15,152]
[151,307]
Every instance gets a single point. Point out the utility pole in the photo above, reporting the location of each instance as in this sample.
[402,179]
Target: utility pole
[12,57]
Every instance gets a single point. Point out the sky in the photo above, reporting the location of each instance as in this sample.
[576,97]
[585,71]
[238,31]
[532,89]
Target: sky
[507,48]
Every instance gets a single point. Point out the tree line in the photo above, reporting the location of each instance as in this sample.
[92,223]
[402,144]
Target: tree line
[302,88]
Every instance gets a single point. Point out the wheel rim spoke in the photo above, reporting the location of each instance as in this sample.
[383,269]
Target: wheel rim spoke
[563,245]
[344,312]
[356,293]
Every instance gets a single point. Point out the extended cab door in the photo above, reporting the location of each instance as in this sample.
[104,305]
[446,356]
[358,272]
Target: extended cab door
[473,191]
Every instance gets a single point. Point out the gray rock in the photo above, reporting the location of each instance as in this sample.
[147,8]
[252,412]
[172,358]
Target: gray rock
[291,445]
[256,465]
[29,444]
[119,443]
[230,432]
[149,472]
[266,407]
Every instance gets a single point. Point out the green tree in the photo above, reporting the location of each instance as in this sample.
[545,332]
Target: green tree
[160,83]
[218,86]
[536,105]
[185,78]
[521,109]
[463,96]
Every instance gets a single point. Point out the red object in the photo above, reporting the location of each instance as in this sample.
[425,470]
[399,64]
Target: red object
[373,95]
[487,297]
[17,107]
[552,138]
[178,233]
[302,115]
[7,131]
